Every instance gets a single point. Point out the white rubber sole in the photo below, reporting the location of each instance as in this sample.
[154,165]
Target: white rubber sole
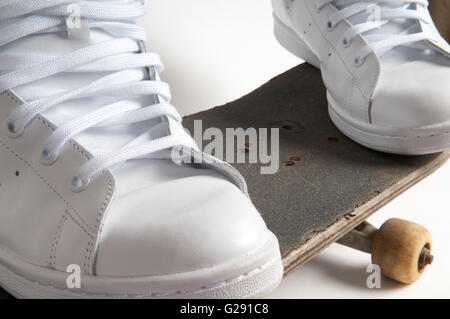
[251,276]
[405,141]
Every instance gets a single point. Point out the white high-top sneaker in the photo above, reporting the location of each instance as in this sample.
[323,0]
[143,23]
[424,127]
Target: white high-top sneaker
[384,64]
[87,180]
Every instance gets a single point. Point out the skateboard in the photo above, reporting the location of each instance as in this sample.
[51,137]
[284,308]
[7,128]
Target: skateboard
[326,185]
[440,11]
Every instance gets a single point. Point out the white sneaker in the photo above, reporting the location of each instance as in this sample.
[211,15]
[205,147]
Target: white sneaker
[87,180]
[384,64]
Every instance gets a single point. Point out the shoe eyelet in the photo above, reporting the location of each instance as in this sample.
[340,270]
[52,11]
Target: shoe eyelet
[48,158]
[359,61]
[346,43]
[77,185]
[12,130]
[330,26]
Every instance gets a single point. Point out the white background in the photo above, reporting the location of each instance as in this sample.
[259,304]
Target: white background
[215,51]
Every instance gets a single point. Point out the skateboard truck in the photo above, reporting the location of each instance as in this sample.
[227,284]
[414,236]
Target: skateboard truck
[401,248]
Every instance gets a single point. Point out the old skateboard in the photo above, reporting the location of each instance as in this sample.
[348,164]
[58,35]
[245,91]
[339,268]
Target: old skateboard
[327,185]
[440,11]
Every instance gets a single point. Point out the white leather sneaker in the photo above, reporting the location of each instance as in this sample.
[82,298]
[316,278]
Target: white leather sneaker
[87,180]
[384,64]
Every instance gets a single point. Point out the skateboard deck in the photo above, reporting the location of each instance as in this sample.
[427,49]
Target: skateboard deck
[326,184]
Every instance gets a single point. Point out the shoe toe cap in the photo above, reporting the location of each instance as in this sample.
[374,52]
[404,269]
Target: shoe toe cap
[179,226]
[414,94]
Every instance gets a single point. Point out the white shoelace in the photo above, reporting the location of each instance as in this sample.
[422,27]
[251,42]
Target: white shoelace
[121,57]
[389,11]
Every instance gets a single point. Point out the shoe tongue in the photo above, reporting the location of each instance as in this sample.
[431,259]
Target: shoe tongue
[143,172]
[95,139]
[56,44]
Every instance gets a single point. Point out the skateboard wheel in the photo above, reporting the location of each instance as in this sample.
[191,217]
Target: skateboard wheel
[402,250]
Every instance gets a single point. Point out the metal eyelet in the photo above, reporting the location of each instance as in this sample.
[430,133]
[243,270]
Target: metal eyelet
[48,158]
[359,61]
[330,26]
[346,43]
[77,185]
[427,52]
[12,130]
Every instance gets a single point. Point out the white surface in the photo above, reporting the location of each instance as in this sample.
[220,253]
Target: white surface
[215,51]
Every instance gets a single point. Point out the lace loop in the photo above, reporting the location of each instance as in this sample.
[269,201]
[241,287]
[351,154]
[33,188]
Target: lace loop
[120,58]
[388,10]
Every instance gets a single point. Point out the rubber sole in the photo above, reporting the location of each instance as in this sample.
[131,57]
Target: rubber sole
[251,276]
[404,141]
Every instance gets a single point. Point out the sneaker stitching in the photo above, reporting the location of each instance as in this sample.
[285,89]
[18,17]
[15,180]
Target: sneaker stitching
[63,219]
[88,229]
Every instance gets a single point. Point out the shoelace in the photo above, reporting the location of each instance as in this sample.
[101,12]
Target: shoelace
[121,57]
[388,10]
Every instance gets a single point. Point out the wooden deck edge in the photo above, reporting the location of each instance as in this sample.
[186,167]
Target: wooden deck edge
[323,239]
